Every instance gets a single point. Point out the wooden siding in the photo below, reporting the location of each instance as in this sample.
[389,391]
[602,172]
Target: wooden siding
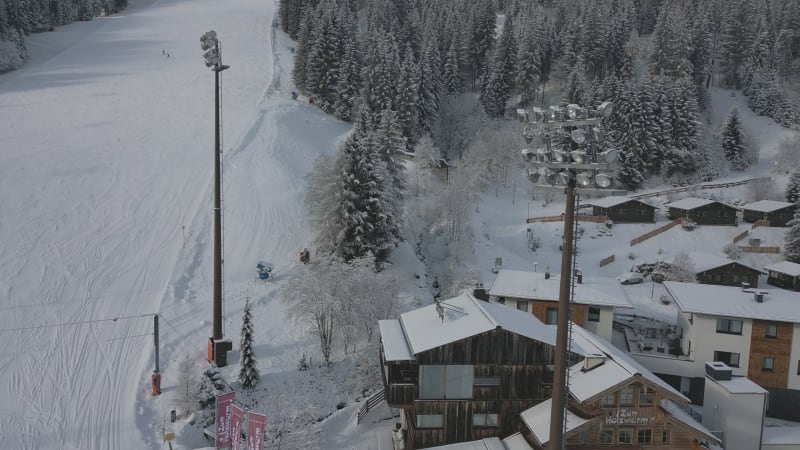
[628,212]
[732,274]
[783,280]
[777,218]
[539,309]
[778,348]
[711,214]
[496,346]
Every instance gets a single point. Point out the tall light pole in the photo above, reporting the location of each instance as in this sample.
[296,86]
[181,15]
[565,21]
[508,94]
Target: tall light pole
[213,58]
[566,157]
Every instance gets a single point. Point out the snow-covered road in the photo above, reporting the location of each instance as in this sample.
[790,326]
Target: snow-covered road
[105,209]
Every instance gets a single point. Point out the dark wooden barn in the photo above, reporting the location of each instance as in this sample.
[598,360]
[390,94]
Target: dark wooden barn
[460,373]
[784,274]
[778,214]
[703,211]
[623,209]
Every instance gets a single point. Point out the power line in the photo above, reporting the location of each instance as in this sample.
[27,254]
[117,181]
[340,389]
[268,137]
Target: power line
[83,322]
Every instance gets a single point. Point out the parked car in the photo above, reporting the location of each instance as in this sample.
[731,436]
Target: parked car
[631,278]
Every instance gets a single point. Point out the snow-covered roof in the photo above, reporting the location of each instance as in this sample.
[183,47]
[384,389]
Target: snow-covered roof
[779,305]
[677,413]
[789,268]
[703,261]
[781,436]
[608,202]
[537,419]
[741,385]
[617,368]
[766,206]
[464,316]
[483,444]
[533,285]
[395,347]
[516,442]
[691,203]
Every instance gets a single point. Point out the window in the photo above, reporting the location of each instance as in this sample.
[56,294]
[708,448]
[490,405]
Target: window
[646,396]
[767,364]
[731,359]
[484,420]
[626,396]
[445,382]
[625,436]
[430,420]
[552,316]
[771,331]
[798,367]
[729,326]
[644,436]
[594,314]
[487,381]
[583,438]
[665,437]
[610,400]
[606,437]
[522,305]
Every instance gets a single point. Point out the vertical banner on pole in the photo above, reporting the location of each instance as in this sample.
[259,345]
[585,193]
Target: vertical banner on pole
[224,407]
[255,430]
[237,416]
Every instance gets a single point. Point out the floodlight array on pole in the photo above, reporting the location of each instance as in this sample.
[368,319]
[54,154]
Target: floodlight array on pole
[213,59]
[566,155]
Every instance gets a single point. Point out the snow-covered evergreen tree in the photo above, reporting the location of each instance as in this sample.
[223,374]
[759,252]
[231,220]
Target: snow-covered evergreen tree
[429,88]
[791,242]
[700,56]
[381,73]
[682,154]
[248,365]
[349,77]
[670,47]
[304,42]
[211,385]
[737,35]
[451,72]
[733,141]
[638,134]
[793,187]
[407,100]
[527,73]
[500,81]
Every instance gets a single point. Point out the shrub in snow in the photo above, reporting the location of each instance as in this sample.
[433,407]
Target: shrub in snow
[793,187]
[791,242]
[211,385]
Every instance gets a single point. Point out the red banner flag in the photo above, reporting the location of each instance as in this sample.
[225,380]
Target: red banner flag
[224,408]
[255,430]
[237,417]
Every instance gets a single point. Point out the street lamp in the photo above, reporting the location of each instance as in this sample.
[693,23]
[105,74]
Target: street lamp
[213,59]
[569,159]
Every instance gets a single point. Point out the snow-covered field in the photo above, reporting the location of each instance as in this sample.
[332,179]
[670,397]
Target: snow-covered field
[106,177]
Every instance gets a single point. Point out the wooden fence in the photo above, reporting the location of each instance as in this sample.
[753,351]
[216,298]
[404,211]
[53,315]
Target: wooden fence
[700,187]
[655,232]
[371,403]
[579,217]
[760,223]
[740,236]
[750,249]
[606,261]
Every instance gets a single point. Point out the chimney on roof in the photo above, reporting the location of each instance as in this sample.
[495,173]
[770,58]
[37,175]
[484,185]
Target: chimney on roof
[480,292]
[745,286]
[579,276]
[759,297]
[718,371]
[547,275]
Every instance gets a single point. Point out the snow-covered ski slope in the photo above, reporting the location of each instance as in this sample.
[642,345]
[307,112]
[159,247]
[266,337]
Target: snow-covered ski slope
[106,179]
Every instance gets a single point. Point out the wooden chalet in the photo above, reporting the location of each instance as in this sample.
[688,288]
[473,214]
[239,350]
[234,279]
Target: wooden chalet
[713,269]
[703,211]
[784,274]
[778,214]
[464,369]
[623,209]
[614,403]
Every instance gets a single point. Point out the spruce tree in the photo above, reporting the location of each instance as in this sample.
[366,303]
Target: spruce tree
[248,371]
[791,242]
[429,88]
[406,101]
[451,72]
[793,187]
[527,73]
[734,42]
[499,81]
[211,385]
[733,144]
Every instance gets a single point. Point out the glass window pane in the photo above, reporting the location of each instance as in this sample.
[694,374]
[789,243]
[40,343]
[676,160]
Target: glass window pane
[459,382]
[431,382]
[478,420]
[772,330]
[594,314]
[644,436]
[626,436]
[552,316]
[734,360]
[491,420]
[736,326]
[487,381]
[606,437]
[626,396]
[646,396]
[430,420]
